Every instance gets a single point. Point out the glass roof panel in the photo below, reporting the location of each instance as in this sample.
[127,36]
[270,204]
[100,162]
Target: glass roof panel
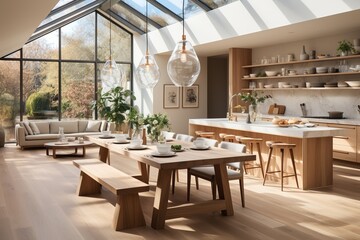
[130,17]
[176,6]
[62,3]
[154,13]
[217,3]
[66,11]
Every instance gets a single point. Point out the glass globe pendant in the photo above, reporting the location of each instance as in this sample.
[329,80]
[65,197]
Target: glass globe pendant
[147,73]
[183,66]
[111,74]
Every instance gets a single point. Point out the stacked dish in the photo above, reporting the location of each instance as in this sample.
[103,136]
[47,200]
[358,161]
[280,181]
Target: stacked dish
[321,69]
[269,86]
[330,85]
[316,84]
[342,84]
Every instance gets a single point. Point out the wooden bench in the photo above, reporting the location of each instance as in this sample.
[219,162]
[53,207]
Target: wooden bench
[95,173]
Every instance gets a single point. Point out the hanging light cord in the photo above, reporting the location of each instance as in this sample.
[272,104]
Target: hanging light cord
[110,28]
[183,13]
[146,29]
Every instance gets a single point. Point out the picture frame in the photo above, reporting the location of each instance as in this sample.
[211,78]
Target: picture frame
[171,96]
[190,96]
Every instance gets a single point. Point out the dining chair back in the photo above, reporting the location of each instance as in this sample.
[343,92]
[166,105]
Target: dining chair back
[168,135]
[208,172]
[209,142]
[184,137]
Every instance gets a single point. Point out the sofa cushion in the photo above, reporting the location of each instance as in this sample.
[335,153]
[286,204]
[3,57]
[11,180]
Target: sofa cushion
[82,125]
[34,128]
[44,127]
[93,126]
[42,137]
[28,128]
[69,126]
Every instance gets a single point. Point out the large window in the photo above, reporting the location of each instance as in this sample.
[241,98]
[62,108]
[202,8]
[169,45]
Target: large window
[57,75]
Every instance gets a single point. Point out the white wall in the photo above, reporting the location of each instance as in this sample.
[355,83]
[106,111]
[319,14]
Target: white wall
[151,100]
[318,102]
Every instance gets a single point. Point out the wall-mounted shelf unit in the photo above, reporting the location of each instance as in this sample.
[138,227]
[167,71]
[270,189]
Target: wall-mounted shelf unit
[305,61]
[312,88]
[305,75]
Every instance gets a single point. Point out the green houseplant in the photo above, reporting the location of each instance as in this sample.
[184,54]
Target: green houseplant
[253,98]
[345,47]
[113,105]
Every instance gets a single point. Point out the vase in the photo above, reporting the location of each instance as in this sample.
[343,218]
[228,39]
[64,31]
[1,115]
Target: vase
[136,133]
[253,112]
[61,135]
[304,55]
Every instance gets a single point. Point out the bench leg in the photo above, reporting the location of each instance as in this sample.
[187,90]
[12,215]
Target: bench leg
[128,212]
[87,185]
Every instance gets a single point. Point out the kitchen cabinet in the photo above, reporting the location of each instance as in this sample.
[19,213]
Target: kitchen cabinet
[346,146]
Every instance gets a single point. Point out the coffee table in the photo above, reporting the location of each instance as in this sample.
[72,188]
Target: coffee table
[67,145]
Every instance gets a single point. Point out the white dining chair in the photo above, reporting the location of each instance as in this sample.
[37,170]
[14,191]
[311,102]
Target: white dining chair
[168,135]
[208,172]
[184,137]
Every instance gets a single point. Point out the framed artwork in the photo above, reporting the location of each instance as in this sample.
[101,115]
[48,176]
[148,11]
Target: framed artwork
[190,96]
[171,96]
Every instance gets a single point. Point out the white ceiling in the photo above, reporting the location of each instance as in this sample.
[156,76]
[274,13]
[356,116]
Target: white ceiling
[19,19]
[321,27]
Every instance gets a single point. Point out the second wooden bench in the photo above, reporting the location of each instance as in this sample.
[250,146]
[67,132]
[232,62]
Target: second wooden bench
[95,173]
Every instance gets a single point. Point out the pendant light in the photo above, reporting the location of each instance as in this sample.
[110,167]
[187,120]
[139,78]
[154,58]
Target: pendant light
[111,74]
[147,73]
[183,66]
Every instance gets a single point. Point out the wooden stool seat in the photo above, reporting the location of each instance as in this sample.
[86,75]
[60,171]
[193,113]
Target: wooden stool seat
[282,146]
[205,134]
[227,137]
[251,142]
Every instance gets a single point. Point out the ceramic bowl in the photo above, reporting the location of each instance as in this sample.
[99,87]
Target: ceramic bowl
[271,73]
[199,143]
[163,148]
[321,69]
[269,86]
[105,133]
[252,75]
[353,83]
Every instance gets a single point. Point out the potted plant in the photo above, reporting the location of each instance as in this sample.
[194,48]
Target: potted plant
[135,121]
[345,47]
[253,99]
[113,105]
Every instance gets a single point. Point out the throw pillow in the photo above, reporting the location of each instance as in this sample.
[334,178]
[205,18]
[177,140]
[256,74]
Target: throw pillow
[28,128]
[93,126]
[25,130]
[34,128]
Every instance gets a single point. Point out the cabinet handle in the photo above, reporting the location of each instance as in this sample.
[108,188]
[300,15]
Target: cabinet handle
[338,151]
[340,137]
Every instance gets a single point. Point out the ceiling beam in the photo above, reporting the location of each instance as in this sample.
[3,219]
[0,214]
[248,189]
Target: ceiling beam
[202,5]
[140,15]
[165,10]
[125,22]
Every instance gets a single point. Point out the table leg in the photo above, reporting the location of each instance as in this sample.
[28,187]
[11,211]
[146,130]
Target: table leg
[54,152]
[144,174]
[161,199]
[47,151]
[224,188]
[84,151]
[103,154]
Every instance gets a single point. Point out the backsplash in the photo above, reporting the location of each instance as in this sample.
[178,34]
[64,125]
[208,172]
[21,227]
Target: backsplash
[317,102]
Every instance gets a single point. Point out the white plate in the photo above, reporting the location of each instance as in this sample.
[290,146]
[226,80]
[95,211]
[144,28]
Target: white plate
[309,125]
[157,154]
[121,142]
[141,147]
[203,148]
[61,143]
[106,136]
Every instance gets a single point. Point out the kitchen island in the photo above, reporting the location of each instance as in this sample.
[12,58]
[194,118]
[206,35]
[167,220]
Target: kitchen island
[313,152]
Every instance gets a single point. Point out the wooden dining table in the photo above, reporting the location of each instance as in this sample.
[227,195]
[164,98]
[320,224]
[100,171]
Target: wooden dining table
[181,160]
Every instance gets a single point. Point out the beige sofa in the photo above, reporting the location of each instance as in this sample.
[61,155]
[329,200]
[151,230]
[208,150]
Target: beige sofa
[36,133]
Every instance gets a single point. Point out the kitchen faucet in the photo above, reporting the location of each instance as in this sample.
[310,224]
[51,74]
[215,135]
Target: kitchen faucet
[230,113]
[303,109]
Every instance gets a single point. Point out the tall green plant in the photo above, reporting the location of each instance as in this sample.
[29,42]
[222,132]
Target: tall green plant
[113,104]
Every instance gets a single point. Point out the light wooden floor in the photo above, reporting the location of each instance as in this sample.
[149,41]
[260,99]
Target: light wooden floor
[38,201]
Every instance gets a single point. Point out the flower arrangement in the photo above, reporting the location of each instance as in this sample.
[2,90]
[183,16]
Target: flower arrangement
[155,124]
[253,98]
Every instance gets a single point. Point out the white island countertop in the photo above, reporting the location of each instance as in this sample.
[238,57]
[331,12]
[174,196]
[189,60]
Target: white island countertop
[269,128]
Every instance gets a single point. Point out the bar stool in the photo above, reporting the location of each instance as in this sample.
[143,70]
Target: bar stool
[249,141]
[227,137]
[282,146]
[204,134]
